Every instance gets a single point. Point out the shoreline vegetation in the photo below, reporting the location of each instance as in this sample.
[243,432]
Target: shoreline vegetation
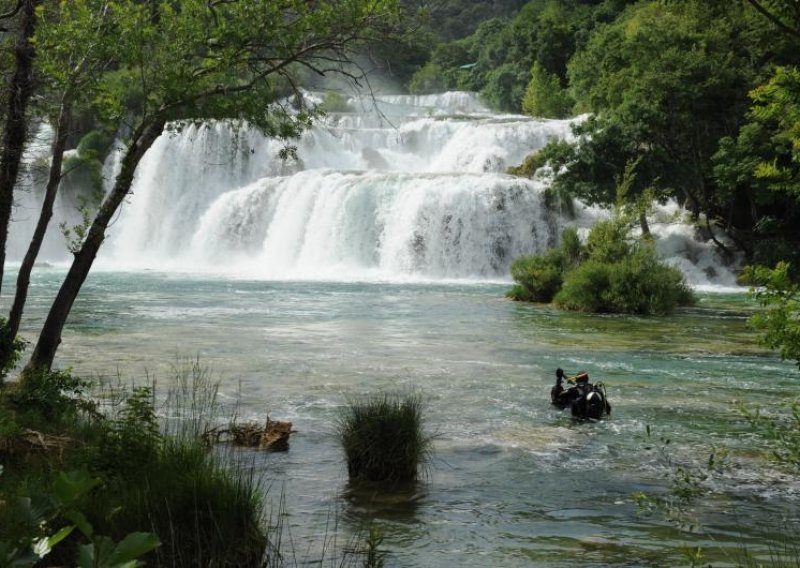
[108,476]
[87,466]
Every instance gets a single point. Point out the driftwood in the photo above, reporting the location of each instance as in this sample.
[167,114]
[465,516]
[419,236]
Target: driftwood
[29,441]
[272,436]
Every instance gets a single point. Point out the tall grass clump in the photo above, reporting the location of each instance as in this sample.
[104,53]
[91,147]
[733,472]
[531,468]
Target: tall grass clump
[207,510]
[384,439]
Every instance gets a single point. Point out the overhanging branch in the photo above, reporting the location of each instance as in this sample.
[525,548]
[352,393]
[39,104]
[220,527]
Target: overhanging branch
[774,19]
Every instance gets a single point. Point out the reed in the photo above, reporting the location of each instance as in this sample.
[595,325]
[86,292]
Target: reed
[384,439]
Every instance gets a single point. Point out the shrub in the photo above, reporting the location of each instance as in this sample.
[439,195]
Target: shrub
[607,241]
[540,277]
[335,102]
[53,396]
[607,275]
[639,283]
[643,284]
[383,438]
[584,288]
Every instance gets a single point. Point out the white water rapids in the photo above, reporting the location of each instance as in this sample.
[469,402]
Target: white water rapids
[407,188]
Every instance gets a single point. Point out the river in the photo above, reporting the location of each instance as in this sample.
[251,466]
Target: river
[387,274]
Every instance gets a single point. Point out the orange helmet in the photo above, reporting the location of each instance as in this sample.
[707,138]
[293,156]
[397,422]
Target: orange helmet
[582,376]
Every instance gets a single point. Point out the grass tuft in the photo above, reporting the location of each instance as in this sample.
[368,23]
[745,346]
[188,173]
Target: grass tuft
[384,439]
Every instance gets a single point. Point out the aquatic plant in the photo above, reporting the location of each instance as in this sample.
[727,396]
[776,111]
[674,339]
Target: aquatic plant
[384,439]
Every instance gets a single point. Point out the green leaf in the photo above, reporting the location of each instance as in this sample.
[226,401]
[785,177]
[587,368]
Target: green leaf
[70,486]
[85,557]
[133,546]
[80,521]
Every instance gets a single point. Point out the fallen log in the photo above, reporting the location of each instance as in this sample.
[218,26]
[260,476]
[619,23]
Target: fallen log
[273,436]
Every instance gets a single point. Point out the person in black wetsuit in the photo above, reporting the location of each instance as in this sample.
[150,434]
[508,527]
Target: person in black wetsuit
[559,396]
[584,399]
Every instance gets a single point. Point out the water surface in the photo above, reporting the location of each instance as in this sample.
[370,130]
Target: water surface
[513,481]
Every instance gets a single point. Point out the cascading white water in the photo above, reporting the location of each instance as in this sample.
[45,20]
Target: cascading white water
[411,188]
[406,188]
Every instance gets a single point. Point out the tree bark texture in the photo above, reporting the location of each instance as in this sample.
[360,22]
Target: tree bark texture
[16,128]
[53,181]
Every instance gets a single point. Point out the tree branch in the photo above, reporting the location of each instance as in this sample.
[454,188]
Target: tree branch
[774,19]
[13,12]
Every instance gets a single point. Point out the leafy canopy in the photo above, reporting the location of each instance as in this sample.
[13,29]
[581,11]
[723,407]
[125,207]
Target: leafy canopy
[210,60]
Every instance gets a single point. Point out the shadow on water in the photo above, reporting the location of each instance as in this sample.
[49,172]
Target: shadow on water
[365,501]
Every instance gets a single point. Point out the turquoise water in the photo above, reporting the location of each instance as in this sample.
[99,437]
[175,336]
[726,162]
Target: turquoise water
[513,481]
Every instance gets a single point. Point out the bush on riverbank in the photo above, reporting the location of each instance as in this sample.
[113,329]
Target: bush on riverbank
[609,274]
[138,480]
[384,439]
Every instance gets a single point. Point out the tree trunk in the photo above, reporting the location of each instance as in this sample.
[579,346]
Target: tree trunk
[53,181]
[16,127]
[50,337]
[644,224]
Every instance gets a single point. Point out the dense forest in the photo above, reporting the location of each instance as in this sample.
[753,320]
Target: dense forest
[700,98]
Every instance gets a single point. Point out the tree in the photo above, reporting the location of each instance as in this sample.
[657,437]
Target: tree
[544,95]
[779,294]
[15,129]
[758,170]
[73,82]
[199,59]
[664,83]
[783,14]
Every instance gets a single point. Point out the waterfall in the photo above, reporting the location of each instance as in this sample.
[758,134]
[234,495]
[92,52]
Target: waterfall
[407,188]
[401,188]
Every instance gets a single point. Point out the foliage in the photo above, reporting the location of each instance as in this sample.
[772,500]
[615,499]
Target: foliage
[384,439]
[779,294]
[453,19]
[449,68]
[608,274]
[759,168]
[637,283]
[429,79]
[205,510]
[781,432]
[687,483]
[540,277]
[41,519]
[544,95]
[335,102]
[501,54]
[53,396]
[131,441]
[375,557]
[207,513]
[83,170]
[10,350]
